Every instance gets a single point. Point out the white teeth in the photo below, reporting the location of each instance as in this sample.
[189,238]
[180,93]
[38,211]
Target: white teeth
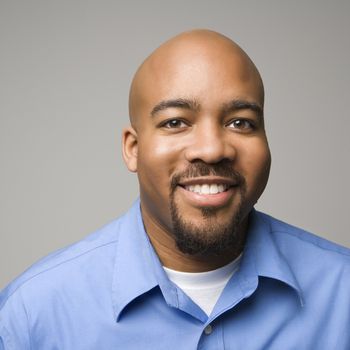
[207,188]
[197,188]
[214,189]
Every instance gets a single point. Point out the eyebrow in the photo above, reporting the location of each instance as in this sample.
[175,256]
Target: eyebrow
[183,103]
[235,105]
[193,105]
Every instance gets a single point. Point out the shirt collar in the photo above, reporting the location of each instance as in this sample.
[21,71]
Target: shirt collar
[262,249]
[133,272]
[137,267]
[138,270]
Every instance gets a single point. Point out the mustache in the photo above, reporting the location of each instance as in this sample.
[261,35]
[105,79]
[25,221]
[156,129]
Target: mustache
[200,168]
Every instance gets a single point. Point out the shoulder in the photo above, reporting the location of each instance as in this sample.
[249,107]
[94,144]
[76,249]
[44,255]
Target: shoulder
[282,230]
[65,265]
[61,288]
[307,252]
[320,267]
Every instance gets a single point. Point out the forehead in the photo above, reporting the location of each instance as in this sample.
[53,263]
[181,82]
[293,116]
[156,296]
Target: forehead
[210,73]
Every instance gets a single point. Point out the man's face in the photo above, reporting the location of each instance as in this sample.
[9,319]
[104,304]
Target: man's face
[202,154]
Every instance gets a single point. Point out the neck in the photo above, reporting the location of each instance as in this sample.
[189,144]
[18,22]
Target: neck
[171,257]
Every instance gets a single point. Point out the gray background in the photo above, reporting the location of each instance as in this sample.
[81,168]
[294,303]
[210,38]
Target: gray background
[65,69]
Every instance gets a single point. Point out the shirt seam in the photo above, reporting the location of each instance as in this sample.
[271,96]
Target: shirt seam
[298,236]
[53,267]
[301,236]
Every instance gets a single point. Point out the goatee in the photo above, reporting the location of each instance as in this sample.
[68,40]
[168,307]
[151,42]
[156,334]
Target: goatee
[212,237]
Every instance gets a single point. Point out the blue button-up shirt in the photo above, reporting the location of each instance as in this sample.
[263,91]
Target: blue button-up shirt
[109,291]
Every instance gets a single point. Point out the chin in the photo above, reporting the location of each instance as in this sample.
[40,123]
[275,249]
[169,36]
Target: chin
[208,231]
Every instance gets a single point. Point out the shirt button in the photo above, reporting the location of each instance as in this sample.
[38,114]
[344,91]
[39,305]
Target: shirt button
[208,329]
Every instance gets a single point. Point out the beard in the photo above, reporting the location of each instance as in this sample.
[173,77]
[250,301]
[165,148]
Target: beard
[212,236]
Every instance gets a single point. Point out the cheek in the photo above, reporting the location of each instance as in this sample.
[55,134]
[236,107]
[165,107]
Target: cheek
[255,165]
[157,162]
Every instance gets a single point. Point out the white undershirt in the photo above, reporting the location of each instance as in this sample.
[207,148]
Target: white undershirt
[204,288]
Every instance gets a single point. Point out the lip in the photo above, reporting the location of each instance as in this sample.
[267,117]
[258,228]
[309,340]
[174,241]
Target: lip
[208,200]
[216,200]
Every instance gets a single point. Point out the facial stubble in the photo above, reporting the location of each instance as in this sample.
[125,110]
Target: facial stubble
[212,236]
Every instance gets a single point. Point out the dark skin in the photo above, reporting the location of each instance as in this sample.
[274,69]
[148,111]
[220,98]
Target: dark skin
[197,98]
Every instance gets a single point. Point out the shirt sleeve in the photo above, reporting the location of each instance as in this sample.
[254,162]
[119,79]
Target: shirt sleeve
[14,328]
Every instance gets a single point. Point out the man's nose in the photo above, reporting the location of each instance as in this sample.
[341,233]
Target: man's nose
[210,144]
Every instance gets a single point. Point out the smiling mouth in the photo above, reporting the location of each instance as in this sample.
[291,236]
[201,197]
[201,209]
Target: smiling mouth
[208,191]
[206,188]
[208,185]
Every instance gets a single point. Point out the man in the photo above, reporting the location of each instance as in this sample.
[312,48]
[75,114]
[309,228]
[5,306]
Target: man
[192,265]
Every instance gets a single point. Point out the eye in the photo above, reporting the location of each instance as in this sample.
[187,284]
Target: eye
[174,124]
[241,124]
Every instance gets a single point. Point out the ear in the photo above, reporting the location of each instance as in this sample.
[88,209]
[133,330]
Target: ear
[129,148]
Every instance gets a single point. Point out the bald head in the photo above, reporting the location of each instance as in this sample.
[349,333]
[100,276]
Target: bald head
[197,51]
